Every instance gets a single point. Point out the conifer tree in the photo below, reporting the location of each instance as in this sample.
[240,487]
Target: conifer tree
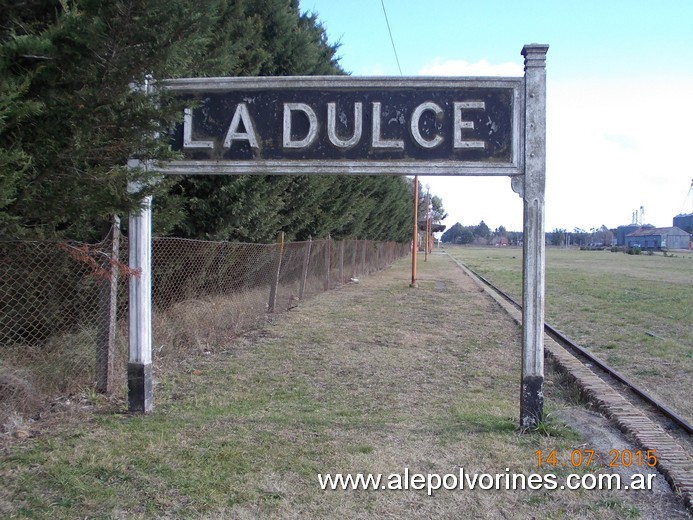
[69,67]
[70,120]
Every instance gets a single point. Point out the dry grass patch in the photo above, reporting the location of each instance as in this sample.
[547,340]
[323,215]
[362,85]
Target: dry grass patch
[374,377]
[634,312]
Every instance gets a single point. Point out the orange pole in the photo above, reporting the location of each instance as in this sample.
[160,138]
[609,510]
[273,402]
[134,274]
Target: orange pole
[428,196]
[415,235]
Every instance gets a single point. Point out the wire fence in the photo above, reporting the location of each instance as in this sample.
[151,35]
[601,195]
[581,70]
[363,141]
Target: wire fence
[64,305]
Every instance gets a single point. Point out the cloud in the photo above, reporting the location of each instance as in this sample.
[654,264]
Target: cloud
[440,67]
[612,146]
[624,141]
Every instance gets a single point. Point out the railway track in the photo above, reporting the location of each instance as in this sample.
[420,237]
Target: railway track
[648,421]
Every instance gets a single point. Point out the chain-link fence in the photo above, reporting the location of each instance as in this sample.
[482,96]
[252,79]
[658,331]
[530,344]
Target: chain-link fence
[63,305]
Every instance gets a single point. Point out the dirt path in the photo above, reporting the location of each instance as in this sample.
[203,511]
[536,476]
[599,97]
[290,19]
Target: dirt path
[427,379]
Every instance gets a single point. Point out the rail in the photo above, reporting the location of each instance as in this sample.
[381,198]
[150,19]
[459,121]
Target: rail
[580,352]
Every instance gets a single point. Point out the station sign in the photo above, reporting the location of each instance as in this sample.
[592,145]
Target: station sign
[335,125]
[345,125]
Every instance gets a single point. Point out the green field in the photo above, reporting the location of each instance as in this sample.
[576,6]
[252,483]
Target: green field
[634,312]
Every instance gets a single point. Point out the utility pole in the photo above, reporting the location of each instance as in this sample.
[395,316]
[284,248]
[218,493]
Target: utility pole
[428,221]
[415,234]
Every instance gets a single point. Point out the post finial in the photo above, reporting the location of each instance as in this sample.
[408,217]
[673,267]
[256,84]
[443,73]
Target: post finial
[535,55]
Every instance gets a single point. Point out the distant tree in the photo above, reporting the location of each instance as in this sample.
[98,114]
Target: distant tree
[604,236]
[580,237]
[458,234]
[450,235]
[514,238]
[482,231]
[500,232]
[466,237]
[556,237]
[438,212]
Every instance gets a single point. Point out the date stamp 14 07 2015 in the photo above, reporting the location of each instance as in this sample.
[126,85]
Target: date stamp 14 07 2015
[588,457]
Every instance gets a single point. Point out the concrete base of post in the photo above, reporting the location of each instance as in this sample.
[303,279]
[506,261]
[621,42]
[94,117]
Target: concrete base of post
[140,395]
[531,402]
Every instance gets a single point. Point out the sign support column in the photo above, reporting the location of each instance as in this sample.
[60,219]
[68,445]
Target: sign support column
[140,304]
[482,132]
[140,394]
[533,281]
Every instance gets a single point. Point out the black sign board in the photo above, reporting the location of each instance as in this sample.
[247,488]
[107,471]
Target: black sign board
[339,124]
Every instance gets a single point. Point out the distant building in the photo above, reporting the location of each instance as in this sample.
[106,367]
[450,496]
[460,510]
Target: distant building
[623,231]
[659,238]
[684,222]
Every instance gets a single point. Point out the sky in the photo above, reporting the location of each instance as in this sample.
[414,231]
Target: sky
[619,95]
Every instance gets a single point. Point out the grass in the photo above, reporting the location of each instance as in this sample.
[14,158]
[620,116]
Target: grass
[634,312]
[374,377]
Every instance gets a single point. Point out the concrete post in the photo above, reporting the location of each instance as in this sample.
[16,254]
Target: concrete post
[140,394]
[532,192]
[140,397]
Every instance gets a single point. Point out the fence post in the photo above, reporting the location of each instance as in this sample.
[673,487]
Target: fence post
[327,262]
[304,274]
[275,285]
[354,248]
[363,257]
[341,261]
[108,301]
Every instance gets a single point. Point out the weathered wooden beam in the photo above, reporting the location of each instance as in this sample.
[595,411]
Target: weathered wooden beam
[271,305]
[108,301]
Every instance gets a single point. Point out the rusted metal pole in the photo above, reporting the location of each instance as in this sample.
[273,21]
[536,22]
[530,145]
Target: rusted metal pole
[428,217]
[415,234]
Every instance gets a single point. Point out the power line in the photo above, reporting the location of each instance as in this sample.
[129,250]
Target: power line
[382,2]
